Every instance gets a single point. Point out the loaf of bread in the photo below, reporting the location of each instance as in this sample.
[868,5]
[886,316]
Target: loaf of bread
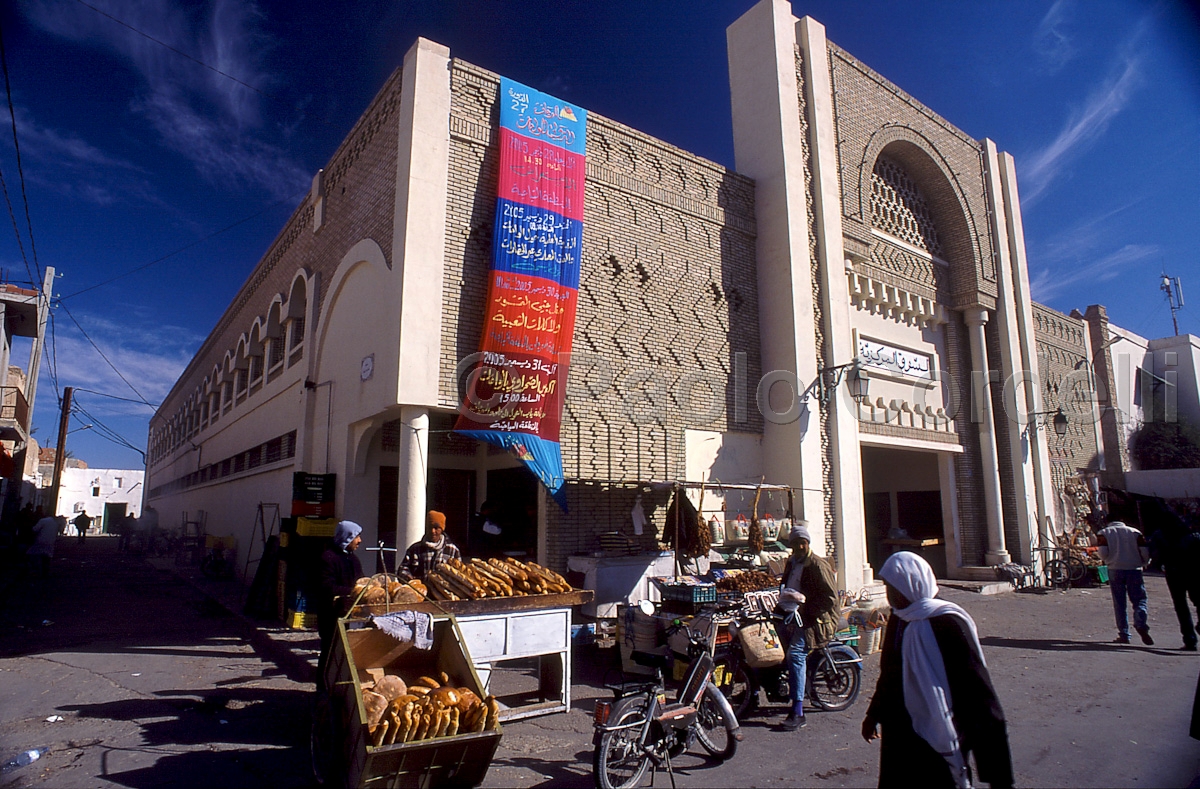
[391,687]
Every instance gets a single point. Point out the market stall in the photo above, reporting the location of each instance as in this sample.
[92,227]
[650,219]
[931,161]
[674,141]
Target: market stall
[500,623]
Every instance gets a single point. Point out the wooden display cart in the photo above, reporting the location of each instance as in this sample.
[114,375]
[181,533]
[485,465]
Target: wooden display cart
[342,753]
[496,629]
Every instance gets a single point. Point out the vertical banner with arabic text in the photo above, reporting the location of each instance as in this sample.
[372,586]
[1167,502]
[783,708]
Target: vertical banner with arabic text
[516,388]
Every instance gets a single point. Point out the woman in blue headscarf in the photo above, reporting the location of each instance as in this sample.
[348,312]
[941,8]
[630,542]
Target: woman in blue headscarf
[934,699]
[340,568]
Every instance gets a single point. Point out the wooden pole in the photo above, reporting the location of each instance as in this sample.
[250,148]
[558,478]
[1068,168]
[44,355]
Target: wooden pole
[60,454]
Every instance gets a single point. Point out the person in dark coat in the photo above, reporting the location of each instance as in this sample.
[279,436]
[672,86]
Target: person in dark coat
[934,700]
[1176,547]
[808,600]
[340,568]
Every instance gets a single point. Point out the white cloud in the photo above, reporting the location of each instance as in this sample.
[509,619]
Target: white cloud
[150,356]
[1050,40]
[1088,123]
[1053,281]
[1083,128]
[209,118]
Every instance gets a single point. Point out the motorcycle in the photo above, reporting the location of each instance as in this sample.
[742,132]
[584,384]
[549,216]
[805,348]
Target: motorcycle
[833,674]
[640,729]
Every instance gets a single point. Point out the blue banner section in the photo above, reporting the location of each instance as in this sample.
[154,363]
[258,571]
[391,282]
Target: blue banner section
[537,243]
[542,457]
[542,117]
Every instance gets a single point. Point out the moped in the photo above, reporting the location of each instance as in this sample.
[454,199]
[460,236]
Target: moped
[640,729]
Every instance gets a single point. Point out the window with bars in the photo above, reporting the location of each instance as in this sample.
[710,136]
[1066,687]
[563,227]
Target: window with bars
[276,351]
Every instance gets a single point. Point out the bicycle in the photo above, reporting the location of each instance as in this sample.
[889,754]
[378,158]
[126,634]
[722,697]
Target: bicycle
[1063,570]
[640,729]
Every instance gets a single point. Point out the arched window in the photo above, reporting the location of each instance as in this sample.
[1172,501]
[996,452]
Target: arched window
[899,209]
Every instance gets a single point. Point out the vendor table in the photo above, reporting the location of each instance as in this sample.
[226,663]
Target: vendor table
[510,628]
[620,580]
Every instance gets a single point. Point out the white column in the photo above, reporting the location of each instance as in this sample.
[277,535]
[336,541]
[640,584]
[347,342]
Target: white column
[768,147]
[976,318]
[853,569]
[419,233]
[413,474]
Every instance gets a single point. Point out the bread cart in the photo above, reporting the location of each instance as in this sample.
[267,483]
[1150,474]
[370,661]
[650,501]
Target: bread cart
[343,755]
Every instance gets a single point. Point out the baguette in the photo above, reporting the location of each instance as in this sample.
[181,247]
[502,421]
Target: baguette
[455,719]
[493,713]
[378,732]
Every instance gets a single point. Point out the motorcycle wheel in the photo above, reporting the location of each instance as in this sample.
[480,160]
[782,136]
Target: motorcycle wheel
[619,761]
[739,689]
[832,687]
[710,728]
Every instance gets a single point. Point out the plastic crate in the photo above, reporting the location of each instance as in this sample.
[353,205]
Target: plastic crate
[848,636]
[301,620]
[313,527]
[688,593]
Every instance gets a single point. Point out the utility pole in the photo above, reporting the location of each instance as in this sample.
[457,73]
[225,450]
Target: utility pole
[60,454]
[1174,290]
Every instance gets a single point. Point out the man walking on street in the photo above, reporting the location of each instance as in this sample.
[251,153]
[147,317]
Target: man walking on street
[809,599]
[82,522]
[1124,550]
[1178,551]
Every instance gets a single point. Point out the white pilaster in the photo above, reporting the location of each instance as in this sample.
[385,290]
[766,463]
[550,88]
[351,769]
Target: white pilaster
[1038,452]
[1016,376]
[419,237]
[976,318]
[413,474]
[853,569]
[768,147]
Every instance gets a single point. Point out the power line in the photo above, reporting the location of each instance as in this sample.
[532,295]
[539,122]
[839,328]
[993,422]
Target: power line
[168,46]
[107,432]
[115,397]
[183,248]
[105,358]
[20,171]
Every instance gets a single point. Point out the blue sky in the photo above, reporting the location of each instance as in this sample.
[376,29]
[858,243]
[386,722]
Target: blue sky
[163,145]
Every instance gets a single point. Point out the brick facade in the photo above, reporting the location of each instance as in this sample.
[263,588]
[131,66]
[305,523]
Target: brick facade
[668,305]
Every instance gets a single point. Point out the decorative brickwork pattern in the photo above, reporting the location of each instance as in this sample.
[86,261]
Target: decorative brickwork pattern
[1066,384]
[667,302]
[874,116]
[899,208]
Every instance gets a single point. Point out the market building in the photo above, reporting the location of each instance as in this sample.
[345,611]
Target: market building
[727,321]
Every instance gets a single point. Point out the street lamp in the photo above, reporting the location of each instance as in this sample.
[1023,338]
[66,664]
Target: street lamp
[828,379]
[1058,421]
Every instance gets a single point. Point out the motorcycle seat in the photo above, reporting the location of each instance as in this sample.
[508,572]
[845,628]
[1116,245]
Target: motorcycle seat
[650,659]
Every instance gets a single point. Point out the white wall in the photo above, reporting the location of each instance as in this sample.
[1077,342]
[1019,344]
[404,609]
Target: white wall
[91,488]
[1182,483]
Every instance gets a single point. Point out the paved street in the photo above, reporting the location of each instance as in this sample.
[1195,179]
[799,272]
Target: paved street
[158,685]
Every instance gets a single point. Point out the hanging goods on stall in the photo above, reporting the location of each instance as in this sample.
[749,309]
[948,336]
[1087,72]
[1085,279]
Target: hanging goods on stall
[690,537]
[755,536]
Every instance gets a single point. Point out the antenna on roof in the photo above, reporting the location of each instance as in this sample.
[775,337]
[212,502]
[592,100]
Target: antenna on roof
[1174,290]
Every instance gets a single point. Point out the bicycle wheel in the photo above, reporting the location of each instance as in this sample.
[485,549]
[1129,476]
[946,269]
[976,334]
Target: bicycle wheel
[833,684]
[1057,574]
[710,728]
[1076,571]
[619,761]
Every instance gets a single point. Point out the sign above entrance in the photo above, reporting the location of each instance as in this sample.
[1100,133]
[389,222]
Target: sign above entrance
[895,360]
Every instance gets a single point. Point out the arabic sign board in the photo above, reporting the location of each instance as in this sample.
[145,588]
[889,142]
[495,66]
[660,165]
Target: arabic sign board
[516,390]
[313,495]
[896,360]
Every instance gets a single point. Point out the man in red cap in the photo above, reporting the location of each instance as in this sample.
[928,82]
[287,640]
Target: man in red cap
[426,555]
